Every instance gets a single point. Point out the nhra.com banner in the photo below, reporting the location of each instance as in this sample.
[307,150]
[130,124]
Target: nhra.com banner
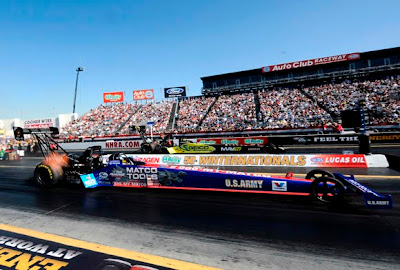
[331,160]
[143,94]
[175,92]
[113,97]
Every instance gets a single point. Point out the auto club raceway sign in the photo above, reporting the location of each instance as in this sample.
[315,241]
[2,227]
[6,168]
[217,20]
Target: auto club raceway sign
[330,160]
[23,252]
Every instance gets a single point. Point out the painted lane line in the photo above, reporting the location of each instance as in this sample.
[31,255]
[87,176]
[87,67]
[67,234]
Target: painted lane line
[119,252]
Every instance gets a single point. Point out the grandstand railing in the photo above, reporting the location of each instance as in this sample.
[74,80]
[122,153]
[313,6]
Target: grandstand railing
[270,83]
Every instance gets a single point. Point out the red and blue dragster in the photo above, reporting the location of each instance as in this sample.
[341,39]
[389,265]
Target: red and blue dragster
[93,169]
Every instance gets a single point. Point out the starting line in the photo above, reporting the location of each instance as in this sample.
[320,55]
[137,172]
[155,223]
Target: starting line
[22,249]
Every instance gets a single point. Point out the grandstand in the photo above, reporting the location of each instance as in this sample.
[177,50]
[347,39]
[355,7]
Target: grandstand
[302,94]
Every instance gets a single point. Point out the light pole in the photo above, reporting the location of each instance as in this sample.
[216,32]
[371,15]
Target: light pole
[79,69]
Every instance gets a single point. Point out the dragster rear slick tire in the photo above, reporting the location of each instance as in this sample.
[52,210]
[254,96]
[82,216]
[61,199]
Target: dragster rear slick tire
[45,177]
[317,173]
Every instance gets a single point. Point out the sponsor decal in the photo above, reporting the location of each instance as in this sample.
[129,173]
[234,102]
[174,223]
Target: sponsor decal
[230,142]
[238,183]
[175,92]
[207,142]
[117,173]
[339,160]
[301,140]
[317,159]
[115,162]
[40,123]
[195,148]
[253,141]
[141,173]
[258,149]
[336,139]
[378,202]
[384,137]
[129,184]
[103,175]
[171,159]
[312,62]
[241,141]
[147,159]
[113,97]
[89,181]
[123,144]
[231,149]
[143,94]
[279,185]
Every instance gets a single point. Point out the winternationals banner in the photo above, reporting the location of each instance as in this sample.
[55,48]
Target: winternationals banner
[113,97]
[317,160]
[312,62]
[143,94]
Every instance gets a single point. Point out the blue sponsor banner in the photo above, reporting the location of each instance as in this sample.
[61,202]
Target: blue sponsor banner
[179,91]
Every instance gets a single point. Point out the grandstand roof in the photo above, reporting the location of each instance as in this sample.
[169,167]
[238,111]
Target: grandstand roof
[364,55]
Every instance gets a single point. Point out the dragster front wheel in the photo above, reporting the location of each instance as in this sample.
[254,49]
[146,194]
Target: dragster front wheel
[146,148]
[327,190]
[46,177]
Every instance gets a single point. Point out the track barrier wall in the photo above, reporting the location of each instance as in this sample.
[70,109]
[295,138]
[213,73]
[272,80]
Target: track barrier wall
[234,160]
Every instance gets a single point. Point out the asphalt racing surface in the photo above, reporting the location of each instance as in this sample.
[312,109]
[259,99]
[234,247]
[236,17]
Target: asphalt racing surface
[229,231]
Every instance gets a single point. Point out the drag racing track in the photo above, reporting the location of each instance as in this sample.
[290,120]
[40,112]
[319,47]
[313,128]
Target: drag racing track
[230,231]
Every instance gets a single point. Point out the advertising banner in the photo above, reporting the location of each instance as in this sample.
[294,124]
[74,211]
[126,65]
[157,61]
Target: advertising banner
[331,160]
[312,62]
[385,137]
[143,94]
[40,123]
[113,97]
[122,144]
[240,141]
[171,92]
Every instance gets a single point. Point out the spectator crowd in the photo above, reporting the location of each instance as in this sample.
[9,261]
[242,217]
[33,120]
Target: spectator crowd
[289,108]
[229,113]
[191,112]
[381,98]
[277,108]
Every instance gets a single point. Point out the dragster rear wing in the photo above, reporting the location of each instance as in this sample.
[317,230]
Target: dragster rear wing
[19,132]
[372,199]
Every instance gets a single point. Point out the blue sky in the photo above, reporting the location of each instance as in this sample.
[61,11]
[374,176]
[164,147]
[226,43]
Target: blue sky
[130,45]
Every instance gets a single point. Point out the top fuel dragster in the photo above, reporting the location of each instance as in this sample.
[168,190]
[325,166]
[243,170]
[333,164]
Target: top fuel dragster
[93,169]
